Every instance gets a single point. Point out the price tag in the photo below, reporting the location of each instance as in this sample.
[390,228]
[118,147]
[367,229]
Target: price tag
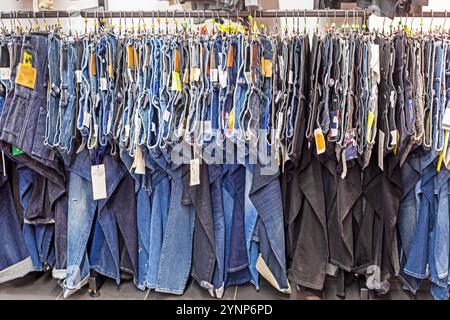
[78,76]
[195,172]
[223,78]
[214,75]
[320,141]
[207,126]
[291,77]
[139,161]
[166,115]
[381,149]
[98,182]
[103,84]
[26,76]
[446,119]
[5,73]
[153,127]
[334,124]
[370,118]
[176,81]
[86,119]
[268,68]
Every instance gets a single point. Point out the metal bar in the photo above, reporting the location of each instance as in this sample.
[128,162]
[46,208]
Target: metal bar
[322,13]
[184,13]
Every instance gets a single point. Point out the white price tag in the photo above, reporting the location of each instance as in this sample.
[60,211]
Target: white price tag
[446,119]
[214,75]
[153,127]
[103,84]
[380,149]
[87,120]
[98,182]
[139,161]
[166,115]
[207,126]
[5,73]
[291,77]
[195,172]
[78,76]
[223,78]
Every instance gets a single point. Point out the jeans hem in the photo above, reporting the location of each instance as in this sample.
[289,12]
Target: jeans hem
[107,274]
[17,270]
[415,275]
[172,291]
[306,283]
[410,288]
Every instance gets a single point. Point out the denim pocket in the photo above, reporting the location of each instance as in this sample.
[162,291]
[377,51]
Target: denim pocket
[18,112]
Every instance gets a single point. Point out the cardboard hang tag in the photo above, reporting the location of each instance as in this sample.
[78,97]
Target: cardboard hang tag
[381,149]
[195,172]
[26,76]
[320,141]
[98,182]
[139,161]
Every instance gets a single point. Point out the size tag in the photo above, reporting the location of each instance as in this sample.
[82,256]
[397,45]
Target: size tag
[26,76]
[166,115]
[291,77]
[5,73]
[370,118]
[98,182]
[78,76]
[195,172]
[320,141]
[223,78]
[103,84]
[214,75]
[381,149]
[176,81]
[86,119]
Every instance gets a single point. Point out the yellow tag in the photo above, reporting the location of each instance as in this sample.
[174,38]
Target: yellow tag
[320,141]
[26,76]
[263,66]
[26,59]
[176,81]
[441,156]
[231,121]
[370,118]
[396,144]
[268,68]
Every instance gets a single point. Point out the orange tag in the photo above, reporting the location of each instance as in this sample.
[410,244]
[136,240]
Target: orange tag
[26,76]
[268,68]
[177,61]
[320,141]
[130,57]
[92,70]
[263,66]
[230,57]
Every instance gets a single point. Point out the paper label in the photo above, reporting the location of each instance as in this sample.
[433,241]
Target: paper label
[393,137]
[334,124]
[139,161]
[78,76]
[186,76]
[5,73]
[380,149]
[446,119]
[320,141]
[86,119]
[195,74]
[103,84]
[98,182]
[166,115]
[195,172]
[207,126]
[291,77]
[370,118]
[127,130]
[268,68]
[214,75]
[153,127]
[223,78]
[176,81]
[26,76]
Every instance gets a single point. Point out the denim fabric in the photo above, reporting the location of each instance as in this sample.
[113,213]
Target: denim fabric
[15,260]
